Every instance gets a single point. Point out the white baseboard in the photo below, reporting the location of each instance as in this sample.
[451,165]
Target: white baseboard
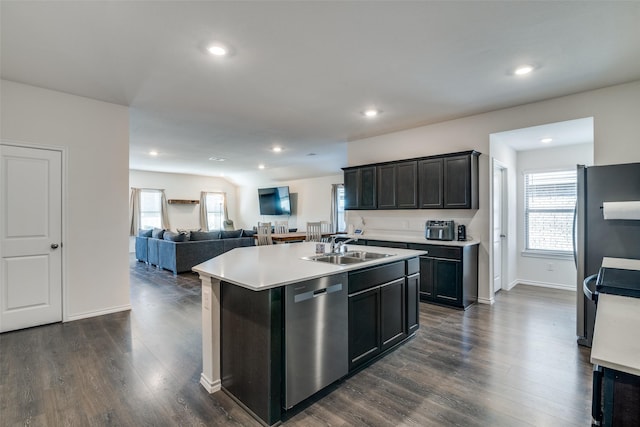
[88,314]
[547,285]
[210,386]
[511,285]
[486,300]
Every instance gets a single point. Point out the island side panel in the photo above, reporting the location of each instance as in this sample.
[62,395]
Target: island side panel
[210,377]
[251,325]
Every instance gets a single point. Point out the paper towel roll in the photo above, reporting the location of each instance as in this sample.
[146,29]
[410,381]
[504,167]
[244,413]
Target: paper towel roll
[621,210]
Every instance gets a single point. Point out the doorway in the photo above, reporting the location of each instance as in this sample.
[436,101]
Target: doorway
[30,237]
[500,201]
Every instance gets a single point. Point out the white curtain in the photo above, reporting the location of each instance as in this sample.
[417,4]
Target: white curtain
[204,223]
[134,211]
[334,207]
[164,211]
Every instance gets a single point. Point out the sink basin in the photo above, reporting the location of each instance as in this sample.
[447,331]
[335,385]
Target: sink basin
[365,255]
[351,257]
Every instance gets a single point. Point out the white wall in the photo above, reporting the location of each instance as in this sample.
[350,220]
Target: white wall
[552,272]
[182,186]
[96,138]
[616,128]
[313,201]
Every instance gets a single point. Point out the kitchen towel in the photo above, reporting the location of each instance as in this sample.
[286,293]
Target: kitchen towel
[621,210]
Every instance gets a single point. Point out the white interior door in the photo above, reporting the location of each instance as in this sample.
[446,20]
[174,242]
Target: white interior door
[498,220]
[30,237]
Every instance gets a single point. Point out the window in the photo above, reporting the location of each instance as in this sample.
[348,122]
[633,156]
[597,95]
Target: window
[150,202]
[215,211]
[342,226]
[550,199]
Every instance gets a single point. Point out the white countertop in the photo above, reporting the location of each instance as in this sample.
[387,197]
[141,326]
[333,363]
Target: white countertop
[264,267]
[621,263]
[616,337]
[412,239]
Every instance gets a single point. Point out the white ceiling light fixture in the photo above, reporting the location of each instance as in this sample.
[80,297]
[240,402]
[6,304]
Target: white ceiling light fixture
[276,149]
[218,49]
[153,153]
[217,159]
[371,113]
[260,166]
[546,140]
[523,70]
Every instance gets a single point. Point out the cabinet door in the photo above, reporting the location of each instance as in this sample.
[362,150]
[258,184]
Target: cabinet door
[447,284]
[430,175]
[367,192]
[457,182]
[387,187]
[392,314]
[351,189]
[412,303]
[407,185]
[426,278]
[364,326]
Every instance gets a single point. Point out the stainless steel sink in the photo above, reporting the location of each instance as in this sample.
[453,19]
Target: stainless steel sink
[351,257]
[365,255]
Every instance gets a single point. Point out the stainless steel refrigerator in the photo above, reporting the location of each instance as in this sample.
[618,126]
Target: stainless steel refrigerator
[596,237]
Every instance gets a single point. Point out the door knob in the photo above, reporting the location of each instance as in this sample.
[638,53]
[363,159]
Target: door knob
[54,246]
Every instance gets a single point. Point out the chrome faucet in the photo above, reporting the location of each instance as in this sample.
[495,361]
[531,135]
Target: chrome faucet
[341,247]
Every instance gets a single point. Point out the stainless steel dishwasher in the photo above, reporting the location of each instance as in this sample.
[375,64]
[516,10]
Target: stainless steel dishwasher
[316,336]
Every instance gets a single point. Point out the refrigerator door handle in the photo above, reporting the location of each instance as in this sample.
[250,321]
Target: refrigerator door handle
[575,235]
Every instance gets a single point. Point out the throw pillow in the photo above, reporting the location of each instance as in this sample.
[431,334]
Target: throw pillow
[248,233]
[157,233]
[205,235]
[230,234]
[145,233]
[175,237]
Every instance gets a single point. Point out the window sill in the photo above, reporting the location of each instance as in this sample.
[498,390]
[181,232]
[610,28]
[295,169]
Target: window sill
[547,254]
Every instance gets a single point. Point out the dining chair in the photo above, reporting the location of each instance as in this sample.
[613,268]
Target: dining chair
[325,227]
[264,234]
[281,227]
[314,232]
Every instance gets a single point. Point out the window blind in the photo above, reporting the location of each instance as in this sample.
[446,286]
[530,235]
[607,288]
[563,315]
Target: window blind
[550,199]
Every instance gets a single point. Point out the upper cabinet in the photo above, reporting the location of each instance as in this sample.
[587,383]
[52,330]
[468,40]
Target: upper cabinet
[397,185]
[360,188]
[448,181]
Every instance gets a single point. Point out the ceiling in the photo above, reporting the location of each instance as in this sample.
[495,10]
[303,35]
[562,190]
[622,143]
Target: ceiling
[570,132]
[301,73]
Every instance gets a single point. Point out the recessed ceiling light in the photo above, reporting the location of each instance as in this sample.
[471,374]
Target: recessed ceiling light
[546,140]
[276,149]
[217,159]
[260,166]
[522,70]
[153,153]
[371,113]
[218,50]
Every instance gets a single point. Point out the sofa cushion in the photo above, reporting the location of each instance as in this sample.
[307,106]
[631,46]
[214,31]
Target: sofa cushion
[145,233]
[175,237]
[234,234]
[205,235]
[157,233]
[248,233]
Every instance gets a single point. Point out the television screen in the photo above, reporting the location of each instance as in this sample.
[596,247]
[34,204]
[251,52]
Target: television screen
[274,201]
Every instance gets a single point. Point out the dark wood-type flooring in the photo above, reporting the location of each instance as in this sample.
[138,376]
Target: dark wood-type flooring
[515,363]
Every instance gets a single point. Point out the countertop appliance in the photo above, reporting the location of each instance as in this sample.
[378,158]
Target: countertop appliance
[595,237]
[439,230]
[316,336]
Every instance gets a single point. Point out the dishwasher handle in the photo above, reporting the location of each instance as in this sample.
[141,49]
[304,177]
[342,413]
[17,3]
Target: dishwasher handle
[304,296]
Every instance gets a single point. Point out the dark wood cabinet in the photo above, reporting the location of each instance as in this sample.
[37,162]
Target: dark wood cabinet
[430,185]
[379,312]
[360,188]
[460,181]
[397,185]
[412,305]
[448,181]
[392,313]
[448,274]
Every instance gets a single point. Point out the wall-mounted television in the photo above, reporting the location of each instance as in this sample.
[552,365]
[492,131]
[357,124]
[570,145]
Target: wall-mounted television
[274,201]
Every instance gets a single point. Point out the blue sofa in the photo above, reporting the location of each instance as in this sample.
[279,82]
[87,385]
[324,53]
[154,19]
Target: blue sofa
[178,253]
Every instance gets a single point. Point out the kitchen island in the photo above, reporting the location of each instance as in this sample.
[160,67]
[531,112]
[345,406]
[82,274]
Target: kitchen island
[277,328]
